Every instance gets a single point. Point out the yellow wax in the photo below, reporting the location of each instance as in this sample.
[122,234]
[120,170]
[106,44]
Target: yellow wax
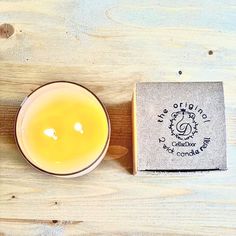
[64,128]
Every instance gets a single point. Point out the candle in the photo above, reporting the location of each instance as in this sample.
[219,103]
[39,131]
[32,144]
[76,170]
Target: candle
[63,129]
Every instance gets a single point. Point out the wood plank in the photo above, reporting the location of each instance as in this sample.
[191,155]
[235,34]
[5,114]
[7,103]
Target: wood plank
[108,46]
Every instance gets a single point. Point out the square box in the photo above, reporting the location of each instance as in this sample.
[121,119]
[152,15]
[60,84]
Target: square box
[179,126]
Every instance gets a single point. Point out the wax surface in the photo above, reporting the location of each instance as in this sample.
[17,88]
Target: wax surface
[64,129]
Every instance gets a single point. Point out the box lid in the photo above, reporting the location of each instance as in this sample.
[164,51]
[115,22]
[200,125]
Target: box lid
[179,126]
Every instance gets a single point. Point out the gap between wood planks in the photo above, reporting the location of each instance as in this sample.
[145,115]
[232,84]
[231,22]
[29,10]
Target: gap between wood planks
[40,221]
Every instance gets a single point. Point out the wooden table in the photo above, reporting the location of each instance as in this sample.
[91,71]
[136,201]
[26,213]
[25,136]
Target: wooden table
[108,46]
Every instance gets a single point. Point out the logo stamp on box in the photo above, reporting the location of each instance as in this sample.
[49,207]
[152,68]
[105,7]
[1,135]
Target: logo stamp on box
[183,127]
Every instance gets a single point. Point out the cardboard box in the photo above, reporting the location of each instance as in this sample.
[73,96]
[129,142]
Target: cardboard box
[179,127]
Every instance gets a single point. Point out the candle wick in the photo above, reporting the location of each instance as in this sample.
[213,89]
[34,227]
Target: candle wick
[50,133]
[78,127]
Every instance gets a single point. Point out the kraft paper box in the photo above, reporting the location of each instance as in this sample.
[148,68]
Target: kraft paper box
[179,126]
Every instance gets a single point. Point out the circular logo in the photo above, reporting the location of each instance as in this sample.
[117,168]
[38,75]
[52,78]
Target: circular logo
[183,125]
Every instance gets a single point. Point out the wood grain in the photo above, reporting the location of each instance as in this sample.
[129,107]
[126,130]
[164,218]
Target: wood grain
[108,46]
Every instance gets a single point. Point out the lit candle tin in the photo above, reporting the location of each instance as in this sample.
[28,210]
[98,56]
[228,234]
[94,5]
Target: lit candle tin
[63,129]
